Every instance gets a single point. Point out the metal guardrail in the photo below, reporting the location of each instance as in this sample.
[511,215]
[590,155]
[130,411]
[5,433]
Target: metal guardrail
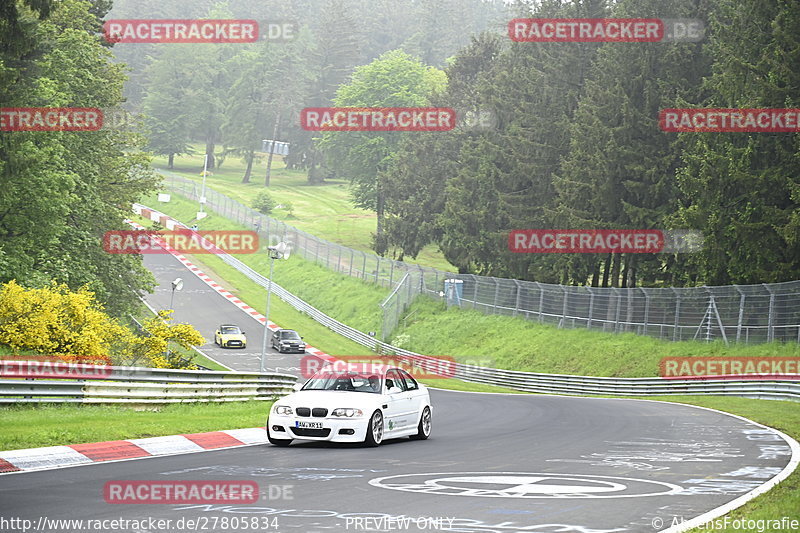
[530,381]
[589,385]
[149,385]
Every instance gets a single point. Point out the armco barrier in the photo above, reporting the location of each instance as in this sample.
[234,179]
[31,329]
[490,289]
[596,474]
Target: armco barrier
[149,385]
[529,381]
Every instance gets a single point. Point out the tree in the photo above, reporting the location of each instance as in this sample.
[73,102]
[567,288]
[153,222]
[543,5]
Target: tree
[416,181]
[167,103]
[393,80]
[506,179]
[620,169]
[62,190]
[336,52]
[741,189]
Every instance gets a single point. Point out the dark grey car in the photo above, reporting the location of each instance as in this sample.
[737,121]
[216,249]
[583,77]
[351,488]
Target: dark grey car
[288,341]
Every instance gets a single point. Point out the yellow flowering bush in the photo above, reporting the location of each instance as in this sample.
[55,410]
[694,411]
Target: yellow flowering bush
[72,326]
[55,321]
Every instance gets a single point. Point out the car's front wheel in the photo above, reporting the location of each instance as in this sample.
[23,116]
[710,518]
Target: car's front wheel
[374,430]
[278,442]
[425,425]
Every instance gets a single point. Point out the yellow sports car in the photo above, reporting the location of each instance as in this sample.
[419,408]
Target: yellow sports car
[230,336]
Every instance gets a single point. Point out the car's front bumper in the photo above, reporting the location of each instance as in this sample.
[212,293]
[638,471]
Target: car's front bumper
[233,343]
[292,349]
[332,428]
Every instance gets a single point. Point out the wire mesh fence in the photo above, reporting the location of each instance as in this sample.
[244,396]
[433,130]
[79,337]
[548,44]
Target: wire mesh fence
[736,313]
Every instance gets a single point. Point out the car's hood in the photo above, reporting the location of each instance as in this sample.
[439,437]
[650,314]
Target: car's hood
[232,336]
[331,399]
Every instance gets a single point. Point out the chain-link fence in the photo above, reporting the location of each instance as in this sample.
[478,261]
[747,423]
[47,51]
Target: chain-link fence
[737,313]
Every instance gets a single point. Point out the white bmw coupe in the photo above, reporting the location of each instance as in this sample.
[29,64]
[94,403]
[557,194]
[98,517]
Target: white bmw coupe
[355,402]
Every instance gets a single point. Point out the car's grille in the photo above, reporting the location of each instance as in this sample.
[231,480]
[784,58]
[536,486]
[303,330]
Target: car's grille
[306,432]
[234,343]
[319,412]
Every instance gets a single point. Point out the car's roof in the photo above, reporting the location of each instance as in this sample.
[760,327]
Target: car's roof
[360,368]
[228,326]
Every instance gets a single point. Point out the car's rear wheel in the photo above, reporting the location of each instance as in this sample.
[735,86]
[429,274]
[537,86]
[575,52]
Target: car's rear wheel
[425,425]
[374,430]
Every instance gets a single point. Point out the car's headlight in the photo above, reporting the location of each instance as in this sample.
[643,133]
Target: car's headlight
[283,410]
[347,412]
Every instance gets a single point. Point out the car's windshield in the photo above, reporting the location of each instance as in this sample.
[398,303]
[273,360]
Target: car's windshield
[289,335]
[344,381]
[230,330]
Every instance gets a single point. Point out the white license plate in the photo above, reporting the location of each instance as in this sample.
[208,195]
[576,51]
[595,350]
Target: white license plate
[308,425]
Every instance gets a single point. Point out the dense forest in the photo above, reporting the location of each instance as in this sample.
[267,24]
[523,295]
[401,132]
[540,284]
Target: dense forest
[572,138]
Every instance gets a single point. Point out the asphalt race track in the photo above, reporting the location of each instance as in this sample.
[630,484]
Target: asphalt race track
[494,463]
[201,306]
[498,463]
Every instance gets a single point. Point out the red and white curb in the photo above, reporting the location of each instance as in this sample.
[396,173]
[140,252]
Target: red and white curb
[171,224]
[52,457]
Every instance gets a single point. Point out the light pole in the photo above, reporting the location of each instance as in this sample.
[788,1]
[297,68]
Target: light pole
[203,190]
[279,251]
[177,285]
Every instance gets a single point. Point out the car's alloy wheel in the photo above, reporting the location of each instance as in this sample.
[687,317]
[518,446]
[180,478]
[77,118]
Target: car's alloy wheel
[425,425]
[374,430]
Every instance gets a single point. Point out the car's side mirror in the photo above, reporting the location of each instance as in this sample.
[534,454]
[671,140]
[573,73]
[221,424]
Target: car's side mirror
[296,387]
[244,333]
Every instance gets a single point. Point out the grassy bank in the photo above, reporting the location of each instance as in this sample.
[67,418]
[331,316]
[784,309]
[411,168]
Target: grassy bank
[27,426]
[519,344]
[486,340]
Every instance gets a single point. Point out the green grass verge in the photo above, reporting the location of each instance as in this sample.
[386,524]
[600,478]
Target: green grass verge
[30,426]
[519,344]
[325,210]
[467,335]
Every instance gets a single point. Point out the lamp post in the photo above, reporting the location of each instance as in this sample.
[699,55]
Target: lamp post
[279,251]
[177,285]
[203,190]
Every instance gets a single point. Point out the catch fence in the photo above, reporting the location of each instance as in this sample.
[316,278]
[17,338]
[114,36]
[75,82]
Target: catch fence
[738,313]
